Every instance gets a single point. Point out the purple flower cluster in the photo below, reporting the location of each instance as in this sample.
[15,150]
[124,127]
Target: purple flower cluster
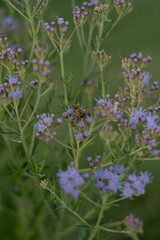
[122,6]
[136,79]
[109,179]
[80,14]
[41,68]
[70,180]
[112,110]
[80,121]
[95,162]
[146,78]
[51,27]
[136,116]
[11,89]
[9,26]
[10,58]
[44,127]
[135,184]
[101,57]
[133,225]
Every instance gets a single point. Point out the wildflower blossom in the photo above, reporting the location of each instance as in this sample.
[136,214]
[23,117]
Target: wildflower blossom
[70,181]
[146,78]
[80,120]
[133,225]
[44,127]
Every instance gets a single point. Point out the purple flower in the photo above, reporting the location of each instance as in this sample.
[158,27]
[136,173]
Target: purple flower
[133,225]
[99,185]
[146,78]
[127,191]
[86,134]
[145,177]
[17,94]
[69,181]
[118,115]
[81,124]
[99,175]
[89,120]
[136,116]
[60,21]
[151,123]
[48,121]
[79,136]
[40,127]
[119,169]
[114,182]
[59,120]
[13,80]
[102,102]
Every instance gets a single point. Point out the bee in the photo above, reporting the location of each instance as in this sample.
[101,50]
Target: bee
[79,112]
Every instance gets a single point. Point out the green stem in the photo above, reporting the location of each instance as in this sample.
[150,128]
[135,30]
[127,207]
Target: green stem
[35,107]
[95,229]
[22,133]
[135,237]
[110,230]
[68,208]
[63,75]
[89,169]
[15,8]
[77,157]
[102,81]
[32,26]
[33,45]
[63,144]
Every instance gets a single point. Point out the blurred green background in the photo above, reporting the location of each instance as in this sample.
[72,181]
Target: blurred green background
[24,212]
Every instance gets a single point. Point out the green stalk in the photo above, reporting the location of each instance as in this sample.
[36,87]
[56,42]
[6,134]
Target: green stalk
[102,81]
[95,229]
[32,26]
[63,75]
[35,107]
[22,134]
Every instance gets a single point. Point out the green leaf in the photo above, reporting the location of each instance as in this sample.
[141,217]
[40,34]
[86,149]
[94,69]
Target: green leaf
[76,206]
[40,165]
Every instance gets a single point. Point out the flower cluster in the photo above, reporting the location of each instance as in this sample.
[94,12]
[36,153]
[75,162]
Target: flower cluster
[108,180]
[101,57]
[11,89]
[112,110]
[41,68]
[11,59]
[70,180]
[80,15]
[9,26]
[51,28]
[123,7]
[135,62]
[133,225]
[136,79]
[135,185]
[95,162]
[102,12]
[79,120]
[41,8]
[44,127]
[111,180]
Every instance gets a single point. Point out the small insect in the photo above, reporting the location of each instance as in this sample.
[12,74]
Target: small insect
[78,111]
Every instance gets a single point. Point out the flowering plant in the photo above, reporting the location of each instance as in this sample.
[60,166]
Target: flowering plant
[126,124]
